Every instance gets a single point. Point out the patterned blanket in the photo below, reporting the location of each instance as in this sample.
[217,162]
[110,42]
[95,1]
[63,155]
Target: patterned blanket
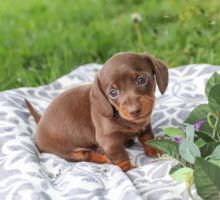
[27,174]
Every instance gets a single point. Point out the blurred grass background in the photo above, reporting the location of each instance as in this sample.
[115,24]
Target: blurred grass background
[40,40]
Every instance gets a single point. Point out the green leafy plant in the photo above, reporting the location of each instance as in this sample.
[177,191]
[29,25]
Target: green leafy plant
[197,145]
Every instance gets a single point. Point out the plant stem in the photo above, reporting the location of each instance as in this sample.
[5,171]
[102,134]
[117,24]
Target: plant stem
[218,126]
[189,186]
[217,129]
[215,125]
[190,193]
[182,162]
[139,35]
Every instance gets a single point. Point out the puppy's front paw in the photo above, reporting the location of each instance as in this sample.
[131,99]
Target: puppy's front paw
[99,158]
[125,165]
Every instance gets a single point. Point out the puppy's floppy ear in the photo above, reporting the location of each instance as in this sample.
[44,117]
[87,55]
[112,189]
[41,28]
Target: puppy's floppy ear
[99,99]
[161,72]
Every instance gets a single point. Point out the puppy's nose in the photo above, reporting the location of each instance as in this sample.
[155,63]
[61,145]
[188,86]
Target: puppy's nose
[134,110]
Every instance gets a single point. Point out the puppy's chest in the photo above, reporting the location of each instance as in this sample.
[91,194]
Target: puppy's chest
[133,130]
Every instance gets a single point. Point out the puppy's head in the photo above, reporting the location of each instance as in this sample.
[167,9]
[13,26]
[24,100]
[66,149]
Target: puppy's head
[126,85]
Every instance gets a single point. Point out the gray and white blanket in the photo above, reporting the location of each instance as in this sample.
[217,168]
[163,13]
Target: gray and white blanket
[27,174]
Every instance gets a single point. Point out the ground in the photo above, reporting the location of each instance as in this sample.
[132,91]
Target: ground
[40,40]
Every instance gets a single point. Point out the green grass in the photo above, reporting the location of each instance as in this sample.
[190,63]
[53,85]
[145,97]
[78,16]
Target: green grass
[41,40]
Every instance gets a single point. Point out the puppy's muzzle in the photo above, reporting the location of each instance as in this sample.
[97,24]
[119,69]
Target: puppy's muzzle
[134,110]
[139,109]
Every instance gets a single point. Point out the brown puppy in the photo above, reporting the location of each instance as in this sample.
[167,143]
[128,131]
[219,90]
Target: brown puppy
[94,122]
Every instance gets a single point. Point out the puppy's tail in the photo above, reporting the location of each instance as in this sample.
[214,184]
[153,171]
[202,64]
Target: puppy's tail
[33,112]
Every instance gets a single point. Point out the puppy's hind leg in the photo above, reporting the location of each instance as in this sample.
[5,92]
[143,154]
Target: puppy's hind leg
[85,155]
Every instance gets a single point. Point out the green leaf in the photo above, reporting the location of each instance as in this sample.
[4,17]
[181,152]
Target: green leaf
[199,112]
[214,98]
[199,142]
[182,175]
[204,136]
[208,148]
[206,128]
[216,162]
[175,168]
[215,154]
[213,80]
[207,179]
[166,146]
[190,133]
[189,151]
[173,132]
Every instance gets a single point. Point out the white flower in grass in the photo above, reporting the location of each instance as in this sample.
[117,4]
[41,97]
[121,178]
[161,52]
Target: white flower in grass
[136,18]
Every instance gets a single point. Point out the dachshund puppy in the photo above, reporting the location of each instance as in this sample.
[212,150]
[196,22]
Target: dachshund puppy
[95,122]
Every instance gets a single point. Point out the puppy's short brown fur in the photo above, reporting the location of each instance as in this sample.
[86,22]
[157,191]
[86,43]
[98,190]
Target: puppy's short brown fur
[95,122]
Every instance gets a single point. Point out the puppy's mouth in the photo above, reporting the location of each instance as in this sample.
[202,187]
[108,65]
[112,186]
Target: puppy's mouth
[136,118]
[139,112]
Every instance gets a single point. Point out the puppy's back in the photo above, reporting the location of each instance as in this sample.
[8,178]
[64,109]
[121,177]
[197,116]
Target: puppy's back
[67,122]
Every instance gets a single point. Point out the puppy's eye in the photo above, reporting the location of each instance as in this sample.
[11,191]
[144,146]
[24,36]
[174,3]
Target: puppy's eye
[114,93]
[141,80]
